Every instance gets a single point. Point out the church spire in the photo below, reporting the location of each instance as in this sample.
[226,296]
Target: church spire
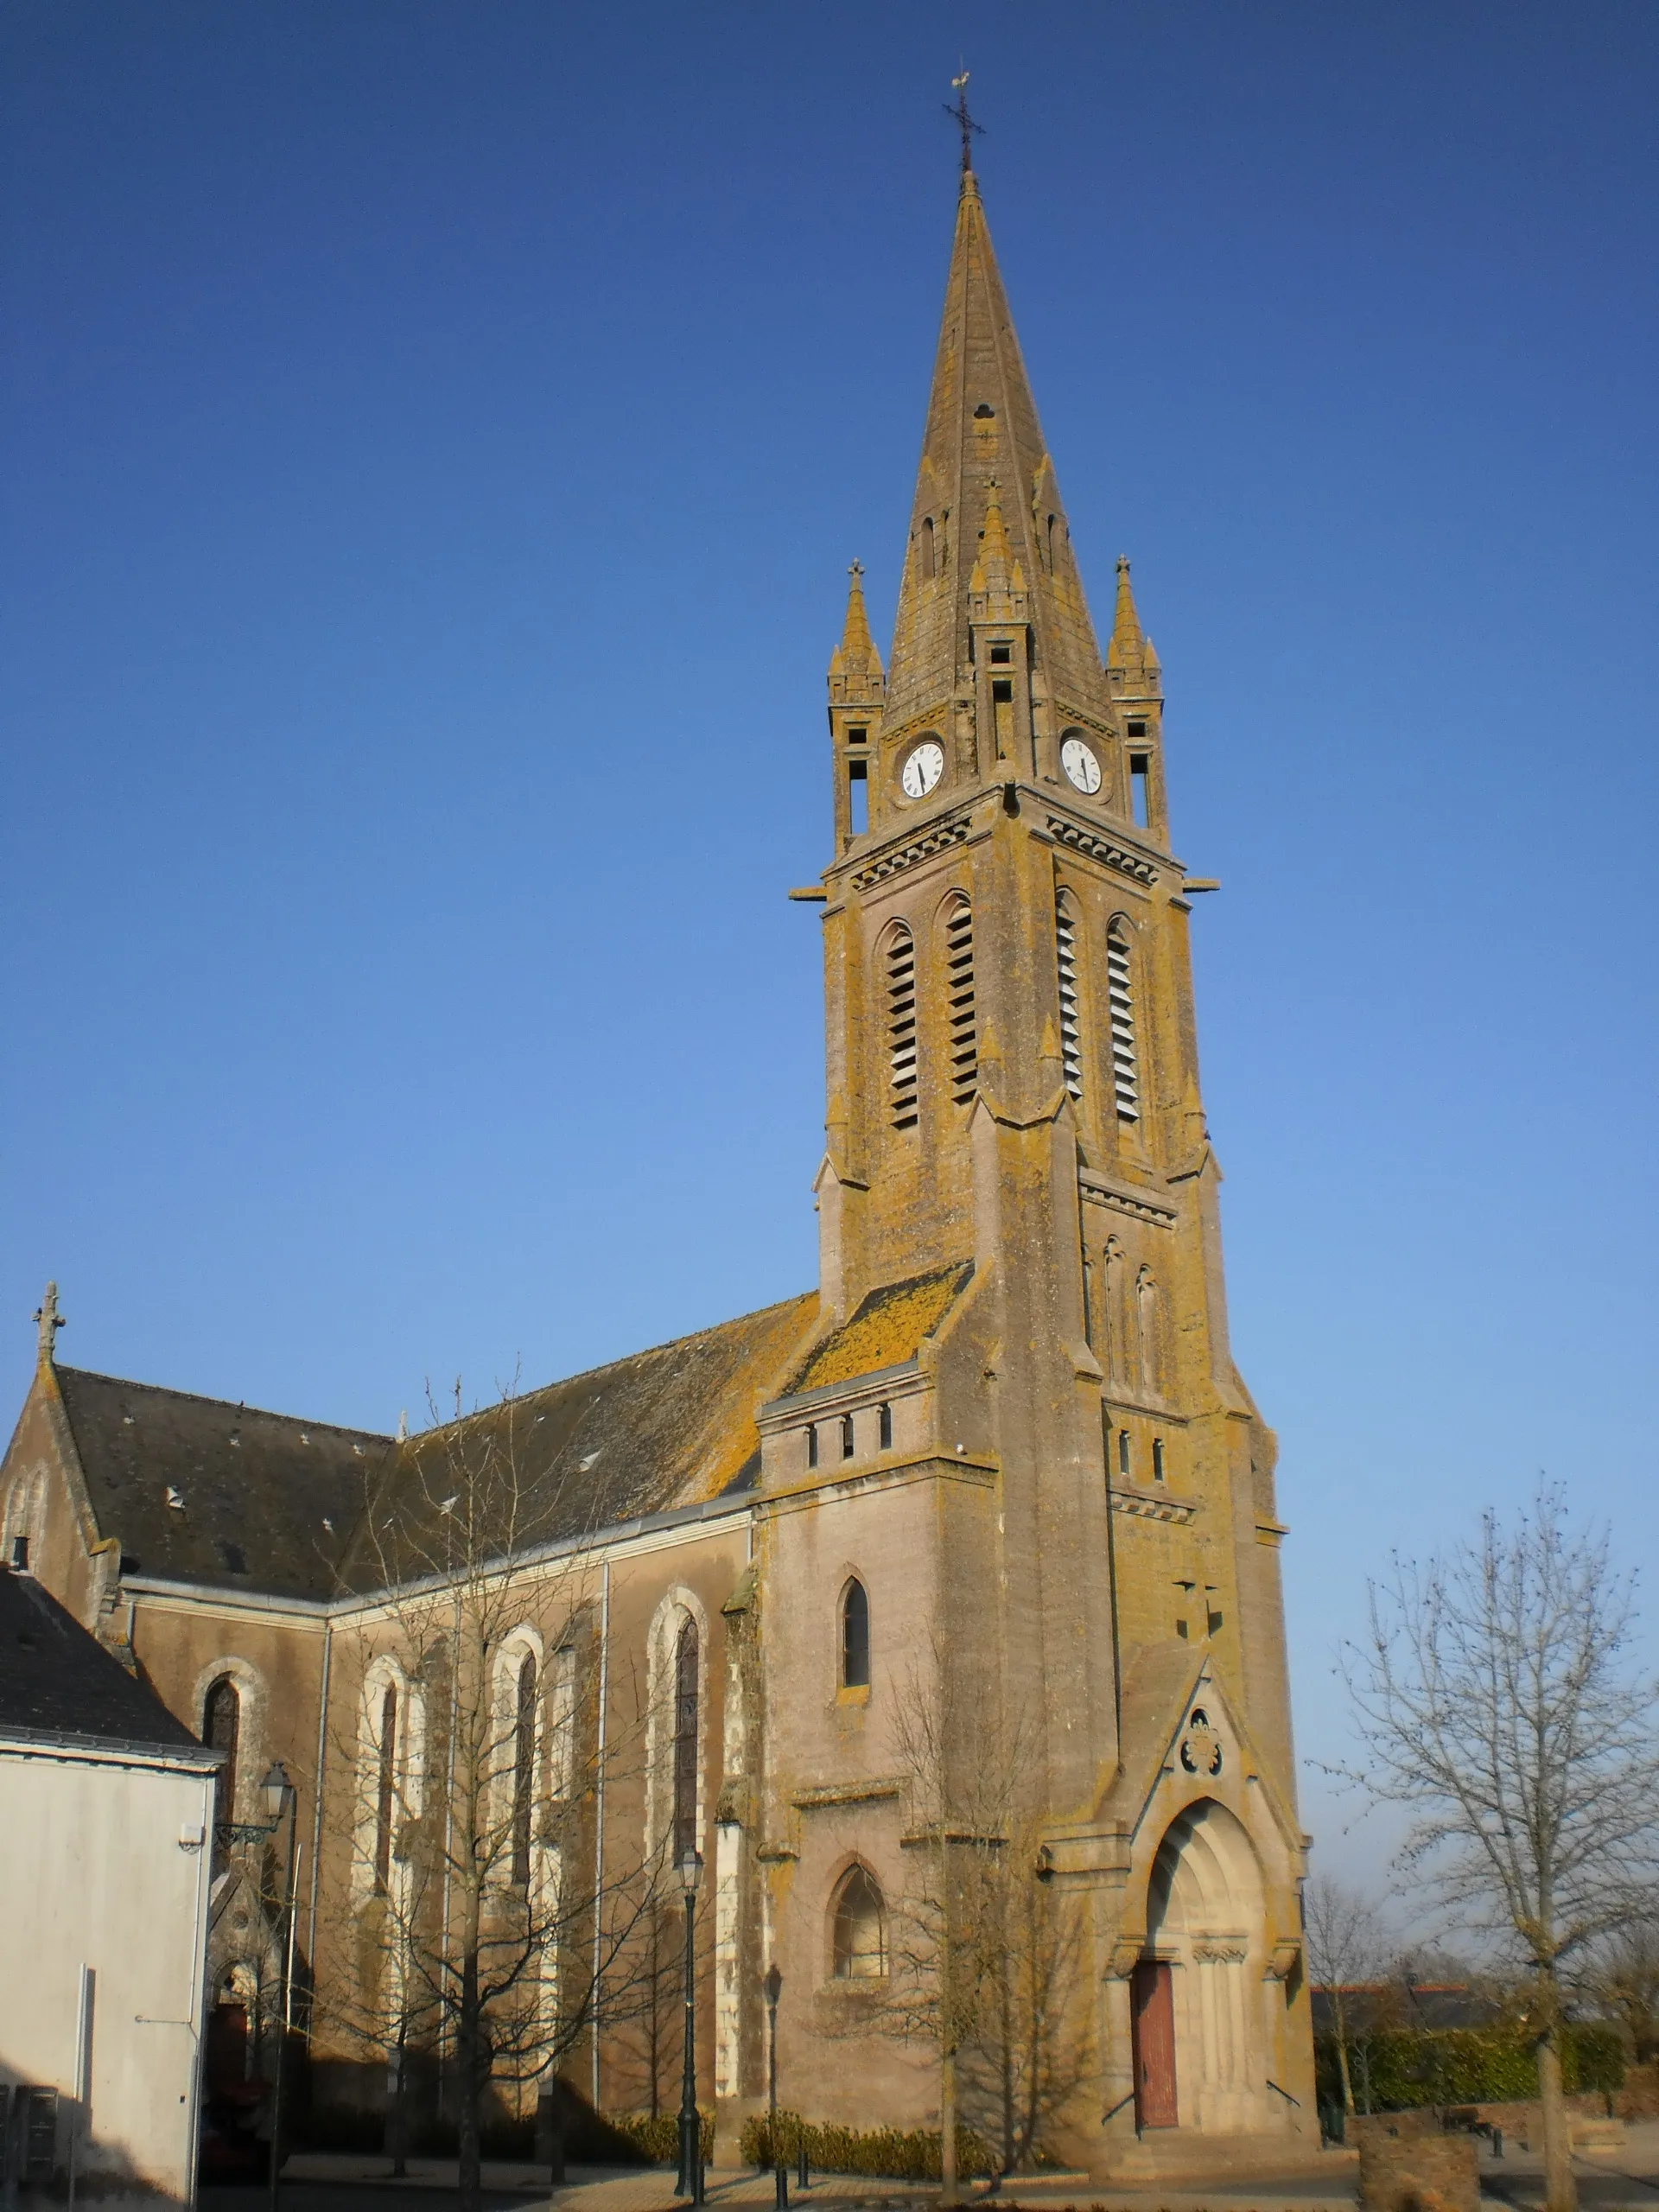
[982,452]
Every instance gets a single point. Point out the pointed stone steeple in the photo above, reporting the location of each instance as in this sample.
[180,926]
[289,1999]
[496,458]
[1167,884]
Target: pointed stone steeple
[1131,660]
[986,500]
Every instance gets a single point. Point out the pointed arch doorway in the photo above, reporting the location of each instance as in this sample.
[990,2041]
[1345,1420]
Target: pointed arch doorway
[1200,2041]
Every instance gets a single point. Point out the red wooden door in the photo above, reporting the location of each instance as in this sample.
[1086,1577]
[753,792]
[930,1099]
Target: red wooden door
[1151,2015]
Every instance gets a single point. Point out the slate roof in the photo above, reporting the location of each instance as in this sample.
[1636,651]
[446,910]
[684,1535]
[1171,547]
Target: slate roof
[673,1426]
[256,1490]
[57,1681]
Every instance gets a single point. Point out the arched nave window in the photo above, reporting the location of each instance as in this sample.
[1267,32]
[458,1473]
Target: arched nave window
[523,1767]
[385,1789]
[221,1725]
[860,1928]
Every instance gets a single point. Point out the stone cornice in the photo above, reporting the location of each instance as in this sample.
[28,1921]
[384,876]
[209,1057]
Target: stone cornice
[1127,1197]
[1098,846]
[1142,1505]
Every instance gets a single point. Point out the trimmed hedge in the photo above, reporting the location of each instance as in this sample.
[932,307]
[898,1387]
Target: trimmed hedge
[657,2135]
[1407,2067]
[889,2153]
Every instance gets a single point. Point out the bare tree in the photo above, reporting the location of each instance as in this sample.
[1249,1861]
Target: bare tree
[985,1956]
[1496,1697]
[1345,1950]
[1624,1980]
[484,1926]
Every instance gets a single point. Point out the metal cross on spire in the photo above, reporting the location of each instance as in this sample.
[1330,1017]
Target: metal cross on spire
[965,122]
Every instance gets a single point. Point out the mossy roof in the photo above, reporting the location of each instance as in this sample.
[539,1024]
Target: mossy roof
[889,1327]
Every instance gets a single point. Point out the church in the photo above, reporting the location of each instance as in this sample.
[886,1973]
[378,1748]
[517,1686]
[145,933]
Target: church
[947,1590]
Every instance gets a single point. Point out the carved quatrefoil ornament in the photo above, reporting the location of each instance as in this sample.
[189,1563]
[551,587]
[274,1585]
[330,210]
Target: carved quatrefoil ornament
[1200,1748]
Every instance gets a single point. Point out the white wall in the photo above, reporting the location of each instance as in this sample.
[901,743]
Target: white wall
[92,1872]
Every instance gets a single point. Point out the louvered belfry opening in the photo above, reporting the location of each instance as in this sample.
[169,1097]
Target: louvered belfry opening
[959,998]
[1066,938]
[1120,999]
[901,1029]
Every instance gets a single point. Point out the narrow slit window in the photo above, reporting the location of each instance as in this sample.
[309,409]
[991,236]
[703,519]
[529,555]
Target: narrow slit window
[1066,940]
[855,1637]
[858,796]
[1002,710]
[811,1444]
[524,1769]
[1126,1084]
[19,1553]
[901,1029]
[686,1685]
[386,1790]
[884,1427]
[847,1444]
[1140,770]
[1157,1459]
[959,1000]
[1124,1452]
[929,567]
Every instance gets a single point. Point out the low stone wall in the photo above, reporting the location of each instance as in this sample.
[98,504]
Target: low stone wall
[1408,2163]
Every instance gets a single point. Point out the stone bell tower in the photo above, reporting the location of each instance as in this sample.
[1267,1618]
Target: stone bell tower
[1013,1093]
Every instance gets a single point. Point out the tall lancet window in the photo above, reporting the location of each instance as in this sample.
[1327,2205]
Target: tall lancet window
[1066,940]
[959,1001]
[221,1722]
[1120,994]
[685,1741]
[385,1795]
[901,1027]
[524,1768]
[930,565]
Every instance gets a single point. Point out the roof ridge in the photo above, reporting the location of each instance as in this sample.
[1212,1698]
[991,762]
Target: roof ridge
[622,1359]
[231,1405]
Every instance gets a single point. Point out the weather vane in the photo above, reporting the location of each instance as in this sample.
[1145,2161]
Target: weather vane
[965,122]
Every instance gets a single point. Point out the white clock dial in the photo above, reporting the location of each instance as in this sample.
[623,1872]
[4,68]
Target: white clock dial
[923,769]
[1080,764]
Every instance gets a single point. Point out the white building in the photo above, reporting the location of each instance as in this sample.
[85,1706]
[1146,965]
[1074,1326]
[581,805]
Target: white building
[106,1805]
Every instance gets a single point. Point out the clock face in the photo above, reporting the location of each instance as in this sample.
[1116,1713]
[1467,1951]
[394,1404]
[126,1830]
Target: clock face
[923,769]
[1080,764]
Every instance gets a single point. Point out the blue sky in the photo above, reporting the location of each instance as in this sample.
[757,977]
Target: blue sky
[434,438]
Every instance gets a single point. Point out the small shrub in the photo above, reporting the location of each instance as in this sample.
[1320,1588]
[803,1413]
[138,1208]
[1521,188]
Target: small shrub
[890,2153]
[658,2135]
[1403,2068]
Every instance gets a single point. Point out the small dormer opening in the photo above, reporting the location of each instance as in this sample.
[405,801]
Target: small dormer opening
[984,412]
[1135,730]
[1001,656]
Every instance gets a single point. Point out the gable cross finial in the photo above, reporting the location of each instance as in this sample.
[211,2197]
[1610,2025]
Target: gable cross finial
[49,1321]
[965,122]
[854,569]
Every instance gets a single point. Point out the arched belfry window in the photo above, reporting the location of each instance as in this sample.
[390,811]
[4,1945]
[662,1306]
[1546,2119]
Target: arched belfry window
[523,1767]
[901,1027]
[1066,942]
[685,1740]
[1120,994]
[855,1637]
[386,1792]
[221,1723]
[860,1930]
[959,1001]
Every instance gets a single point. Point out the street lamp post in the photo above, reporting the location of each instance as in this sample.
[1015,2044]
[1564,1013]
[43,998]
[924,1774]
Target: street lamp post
[281,1797]
[773,1986]
[690,2176]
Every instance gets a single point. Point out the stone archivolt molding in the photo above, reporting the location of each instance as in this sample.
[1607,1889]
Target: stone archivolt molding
[1139,1206]
[1154,1509]
[937,840]
[1102,848]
